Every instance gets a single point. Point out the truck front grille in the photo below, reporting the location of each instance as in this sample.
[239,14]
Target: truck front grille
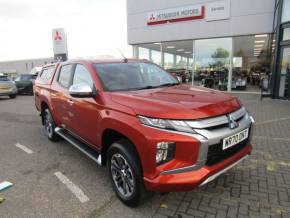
[216,153]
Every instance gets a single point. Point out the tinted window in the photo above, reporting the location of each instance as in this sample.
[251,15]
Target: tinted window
[25,77]
[4,78]
[82,75]
[47,73]
[127,76]
[65,75]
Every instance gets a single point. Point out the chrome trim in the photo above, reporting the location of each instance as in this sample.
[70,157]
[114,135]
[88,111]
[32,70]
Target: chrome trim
[214,176]
[97,159]
[253,126]
[201,160]
[216,121]
[239,113]
[202,154]
[211,137]
[215,136]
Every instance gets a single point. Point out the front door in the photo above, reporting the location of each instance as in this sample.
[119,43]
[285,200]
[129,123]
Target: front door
[85,112]
[284,87]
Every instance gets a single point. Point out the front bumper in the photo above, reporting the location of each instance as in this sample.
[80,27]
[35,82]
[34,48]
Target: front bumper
[209,162]
[188,180]
[8,92]
[25,89]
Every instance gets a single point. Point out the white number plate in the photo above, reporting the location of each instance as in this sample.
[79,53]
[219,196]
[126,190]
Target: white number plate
[235,139]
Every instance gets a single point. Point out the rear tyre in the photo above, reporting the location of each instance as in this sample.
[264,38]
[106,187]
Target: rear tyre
[125,173]
[50,126]
[12,96]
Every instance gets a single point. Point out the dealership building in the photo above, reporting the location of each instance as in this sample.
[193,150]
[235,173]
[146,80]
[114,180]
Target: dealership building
[14,68]
[224,44]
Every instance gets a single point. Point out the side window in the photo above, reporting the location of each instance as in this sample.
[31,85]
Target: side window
[65,75]
[82,75]
[47,73]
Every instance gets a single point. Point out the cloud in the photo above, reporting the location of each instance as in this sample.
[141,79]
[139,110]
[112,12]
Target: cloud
[29,9]
[93,27]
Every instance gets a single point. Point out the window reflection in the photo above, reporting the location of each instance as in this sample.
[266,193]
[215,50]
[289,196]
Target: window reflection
[213,62]
[143,53]
[285,11]
[178,59]
[251,57]
[250,61]
[286,34]
[284,89]
[150,52]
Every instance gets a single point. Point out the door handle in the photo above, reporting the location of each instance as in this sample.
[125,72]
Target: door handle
[70,101]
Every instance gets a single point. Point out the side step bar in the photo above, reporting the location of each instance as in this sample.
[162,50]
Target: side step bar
[90,152]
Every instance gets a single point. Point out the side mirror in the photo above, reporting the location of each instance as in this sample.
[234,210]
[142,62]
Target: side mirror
[81,90]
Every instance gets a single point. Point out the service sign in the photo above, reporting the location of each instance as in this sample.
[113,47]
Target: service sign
[193,12]
[59,43]
[219,10]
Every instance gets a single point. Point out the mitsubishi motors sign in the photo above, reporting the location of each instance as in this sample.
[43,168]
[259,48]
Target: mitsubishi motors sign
[59,44]
[193,12]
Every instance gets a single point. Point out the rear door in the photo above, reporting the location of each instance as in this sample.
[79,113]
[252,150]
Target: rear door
[42,84]
[60,97]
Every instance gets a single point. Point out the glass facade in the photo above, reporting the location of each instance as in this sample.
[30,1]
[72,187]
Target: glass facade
[284,89]
[233,63]
[253,61]
[286,34]
[248,62]
[285,11]
[212,62]
[281,73]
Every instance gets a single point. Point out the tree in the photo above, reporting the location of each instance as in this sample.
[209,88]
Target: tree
[220,57]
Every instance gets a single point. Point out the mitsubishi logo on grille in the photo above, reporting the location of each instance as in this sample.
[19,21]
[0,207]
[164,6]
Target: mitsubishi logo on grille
[232,123]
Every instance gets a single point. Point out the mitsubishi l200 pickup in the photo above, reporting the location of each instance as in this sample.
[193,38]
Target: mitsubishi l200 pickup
[151,132]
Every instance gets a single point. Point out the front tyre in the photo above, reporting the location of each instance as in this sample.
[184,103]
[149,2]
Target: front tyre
[12,96]
[125,173]
[49,125]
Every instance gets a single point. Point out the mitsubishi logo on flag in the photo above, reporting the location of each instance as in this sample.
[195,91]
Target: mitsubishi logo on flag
[57,36]
[59,44]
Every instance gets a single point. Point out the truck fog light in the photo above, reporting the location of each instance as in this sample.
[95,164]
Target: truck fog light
[165,152]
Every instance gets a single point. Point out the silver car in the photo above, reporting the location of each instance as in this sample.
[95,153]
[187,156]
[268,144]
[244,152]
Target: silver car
[7,87]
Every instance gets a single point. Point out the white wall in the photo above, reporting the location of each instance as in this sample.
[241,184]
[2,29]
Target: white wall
[23,66]
[247,17]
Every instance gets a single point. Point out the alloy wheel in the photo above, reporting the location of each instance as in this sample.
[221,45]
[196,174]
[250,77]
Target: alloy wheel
[48,123]
[122,176]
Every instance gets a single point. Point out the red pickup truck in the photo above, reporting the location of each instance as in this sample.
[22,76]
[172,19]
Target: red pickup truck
[151,132]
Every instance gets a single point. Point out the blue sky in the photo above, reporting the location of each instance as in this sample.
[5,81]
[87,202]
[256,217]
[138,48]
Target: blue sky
[93,27]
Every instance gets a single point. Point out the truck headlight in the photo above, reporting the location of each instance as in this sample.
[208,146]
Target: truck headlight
[165,152]
[176,125]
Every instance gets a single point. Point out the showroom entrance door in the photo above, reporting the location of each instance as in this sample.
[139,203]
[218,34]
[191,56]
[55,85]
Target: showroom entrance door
[284,87]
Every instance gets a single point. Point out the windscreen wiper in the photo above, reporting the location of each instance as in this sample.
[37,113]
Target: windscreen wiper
[162,85]
[146,87]
[167,84]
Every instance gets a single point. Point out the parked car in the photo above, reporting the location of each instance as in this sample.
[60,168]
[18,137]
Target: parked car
[151,132]
[24,83]
[239,83]
[7,87]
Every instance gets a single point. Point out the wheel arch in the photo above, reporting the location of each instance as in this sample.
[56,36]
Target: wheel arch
[110,136]
[43,105]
